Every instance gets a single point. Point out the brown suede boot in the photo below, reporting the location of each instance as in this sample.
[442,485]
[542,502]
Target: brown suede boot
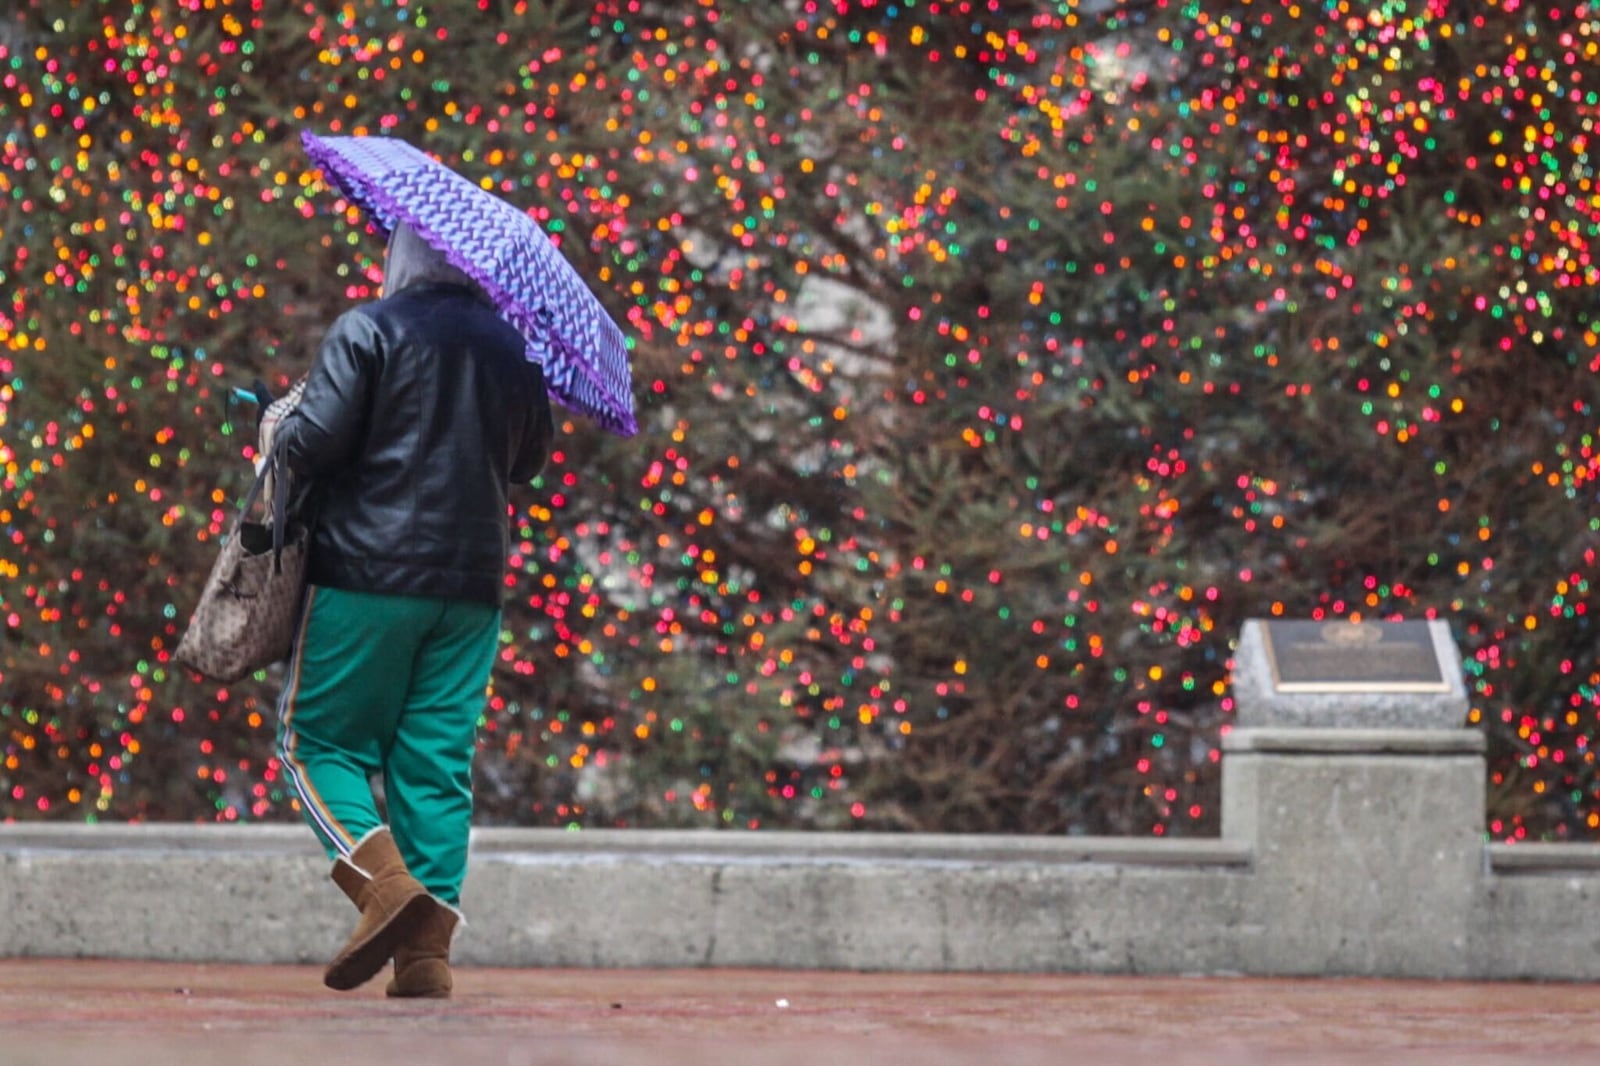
[392,905]
[422,963]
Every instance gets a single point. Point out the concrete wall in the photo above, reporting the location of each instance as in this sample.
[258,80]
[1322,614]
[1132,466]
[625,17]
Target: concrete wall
[1346,849]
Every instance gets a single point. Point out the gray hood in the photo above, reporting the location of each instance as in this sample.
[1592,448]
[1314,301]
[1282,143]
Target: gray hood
[410,260]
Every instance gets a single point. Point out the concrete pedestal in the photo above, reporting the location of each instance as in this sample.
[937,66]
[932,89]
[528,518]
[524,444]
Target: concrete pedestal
[1368,847]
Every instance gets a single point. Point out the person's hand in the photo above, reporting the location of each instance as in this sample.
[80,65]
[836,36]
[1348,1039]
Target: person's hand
[271,418]
[274,414]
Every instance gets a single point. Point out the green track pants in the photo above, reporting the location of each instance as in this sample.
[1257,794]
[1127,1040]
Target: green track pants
[391,687]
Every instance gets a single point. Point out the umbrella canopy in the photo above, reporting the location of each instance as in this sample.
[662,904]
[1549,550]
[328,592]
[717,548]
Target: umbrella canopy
[570,335]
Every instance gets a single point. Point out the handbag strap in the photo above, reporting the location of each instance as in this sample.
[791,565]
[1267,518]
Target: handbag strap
[277,468]
[278,463]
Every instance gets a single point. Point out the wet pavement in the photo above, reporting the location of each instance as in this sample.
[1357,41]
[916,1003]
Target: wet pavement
[71,1012]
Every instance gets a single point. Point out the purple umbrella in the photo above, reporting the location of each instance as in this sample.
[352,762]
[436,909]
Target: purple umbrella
[582,351]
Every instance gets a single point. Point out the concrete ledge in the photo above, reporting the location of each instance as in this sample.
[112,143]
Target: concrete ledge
[1563,860]
[1536,916]
[1356,741]
[123,838]
[648,899]
[688,845]
[787,900]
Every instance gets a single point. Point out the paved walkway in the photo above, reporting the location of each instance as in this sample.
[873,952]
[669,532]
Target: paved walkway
[67,1013]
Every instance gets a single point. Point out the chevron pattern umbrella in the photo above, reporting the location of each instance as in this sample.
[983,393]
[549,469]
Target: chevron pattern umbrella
[569,333]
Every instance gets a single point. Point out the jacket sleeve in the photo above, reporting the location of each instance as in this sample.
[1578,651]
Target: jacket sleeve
[533,450]
[325,431]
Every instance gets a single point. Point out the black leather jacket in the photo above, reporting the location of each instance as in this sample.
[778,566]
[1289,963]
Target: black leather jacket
[419,413]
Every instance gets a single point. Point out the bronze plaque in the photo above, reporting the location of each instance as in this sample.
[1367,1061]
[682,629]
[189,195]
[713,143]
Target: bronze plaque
[1344,656]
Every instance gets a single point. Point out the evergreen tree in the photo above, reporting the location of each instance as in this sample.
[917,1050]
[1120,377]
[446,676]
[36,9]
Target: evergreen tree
[996,359]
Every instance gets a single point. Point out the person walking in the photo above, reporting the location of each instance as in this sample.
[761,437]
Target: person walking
[419,413]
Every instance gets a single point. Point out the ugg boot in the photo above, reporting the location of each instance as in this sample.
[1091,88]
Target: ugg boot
[392,905]
[422,963]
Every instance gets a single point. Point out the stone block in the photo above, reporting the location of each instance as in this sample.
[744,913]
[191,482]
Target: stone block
[1369,852]
[1261,704]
